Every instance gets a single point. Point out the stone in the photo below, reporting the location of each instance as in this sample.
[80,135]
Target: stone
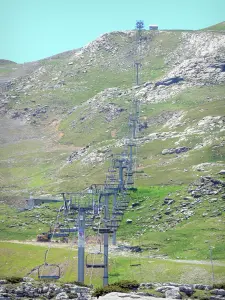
[129,221]
[175,150]
[28,279]
[62,296]
[135,204]
[169,201]
[220,292]
[5,296]
[199,287]
[188,290]
[45,289]
[126,296]
[222,172]
[169,81]
[173,294]
[146,285]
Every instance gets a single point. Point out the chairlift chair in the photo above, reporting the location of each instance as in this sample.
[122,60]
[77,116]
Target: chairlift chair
[55,267]
[123,202]
[103,230]
[113,224]
[118,212]
[69,230]
[117,218]
[49,267]
[121,207]
[60,234]
[91,264]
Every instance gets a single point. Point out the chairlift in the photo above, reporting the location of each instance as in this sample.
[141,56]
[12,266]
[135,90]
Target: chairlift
[121,207]
[111,169]
[118,208]
[69,230]
[117,218]
[53,270]
[130,181]
[103,230]
[112,224]
[60,234]
[90,260]
[118,212]
[123,203]
[57,233]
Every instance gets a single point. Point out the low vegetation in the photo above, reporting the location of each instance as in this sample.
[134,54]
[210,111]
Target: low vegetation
[120,286]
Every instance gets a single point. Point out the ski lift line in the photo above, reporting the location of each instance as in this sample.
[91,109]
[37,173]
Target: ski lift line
[102,190]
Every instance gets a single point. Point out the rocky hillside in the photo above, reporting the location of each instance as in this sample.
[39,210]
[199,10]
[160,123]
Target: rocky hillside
[62,117]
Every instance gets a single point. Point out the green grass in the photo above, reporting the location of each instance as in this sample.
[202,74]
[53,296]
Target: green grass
[156,232]
[188,239]
[25,225]
[150,270]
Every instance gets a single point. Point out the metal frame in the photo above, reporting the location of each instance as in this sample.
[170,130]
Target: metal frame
[49,276]
[93,265]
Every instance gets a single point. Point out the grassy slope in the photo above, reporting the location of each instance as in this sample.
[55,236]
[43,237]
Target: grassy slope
[161,234]
[150,270]
[190,239]
[219,26]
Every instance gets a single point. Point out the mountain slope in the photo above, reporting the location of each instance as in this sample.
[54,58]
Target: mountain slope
[219,26]
[62,116]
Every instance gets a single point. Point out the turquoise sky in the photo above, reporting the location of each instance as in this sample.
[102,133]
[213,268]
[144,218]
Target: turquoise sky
[34,29]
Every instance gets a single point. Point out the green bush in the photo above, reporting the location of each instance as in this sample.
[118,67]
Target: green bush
[133,189]
[14,279]
[123,286]
[108,289]
[219,285]
[126,284]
